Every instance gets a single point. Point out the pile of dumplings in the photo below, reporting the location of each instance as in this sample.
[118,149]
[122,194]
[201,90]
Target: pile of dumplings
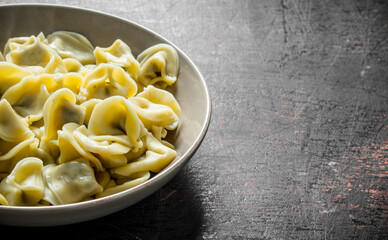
[79,122]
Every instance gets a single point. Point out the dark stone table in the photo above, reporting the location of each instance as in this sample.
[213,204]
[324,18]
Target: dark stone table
[298,143]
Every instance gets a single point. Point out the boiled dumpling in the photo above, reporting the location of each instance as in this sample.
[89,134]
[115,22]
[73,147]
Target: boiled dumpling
[59,109]
[119,54]
[69,182]
[108,80]
[28,97]
[158,64]
[24,185]
[115,116]
[72,45]
[160,96]
[156,157]
[34,51]
[12,127]
[10,74]
[14,42]
[109,149]
[14,132]
[156,107]
[70,149]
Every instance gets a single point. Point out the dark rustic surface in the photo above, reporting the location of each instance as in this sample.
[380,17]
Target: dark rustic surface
[298,143]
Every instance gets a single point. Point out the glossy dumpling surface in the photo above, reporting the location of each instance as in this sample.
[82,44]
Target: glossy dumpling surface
[11,74]
[158,64]
[24,185]
[28,97]
[115,116]
[59,109]
[69,182]
[119,53]
[108,80]
[72,45]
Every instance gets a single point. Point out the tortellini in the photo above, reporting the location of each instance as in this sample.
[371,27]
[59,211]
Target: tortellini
[79,122]
[24,185]
[159,64]
[120,54]
[28,97]
[72,45]
[33,51]
[108,80]
[69,182]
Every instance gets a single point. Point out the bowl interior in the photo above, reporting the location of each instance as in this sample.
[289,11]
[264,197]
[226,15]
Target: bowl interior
[102,30]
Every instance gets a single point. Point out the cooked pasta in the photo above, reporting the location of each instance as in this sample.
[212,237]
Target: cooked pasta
[79,122]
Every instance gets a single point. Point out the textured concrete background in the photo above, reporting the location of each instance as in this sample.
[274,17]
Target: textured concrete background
[298,143]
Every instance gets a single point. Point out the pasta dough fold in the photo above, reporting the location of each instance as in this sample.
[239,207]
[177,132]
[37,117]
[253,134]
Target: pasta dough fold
[59,109]
[157,157]
[33,51]
[24,186]
[28,97]
[108,80]
[119,53]
[11,74]
[158,64]
[69,182]
[116,117]
[72,45]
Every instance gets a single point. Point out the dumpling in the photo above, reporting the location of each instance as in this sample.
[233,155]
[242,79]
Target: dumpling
[109,149]
[108,80]
[160,96]
[116,117]
[157,157]
[28,97]
[34,51]
[70,149]
[119,54]
[15,134]
[14,42]
[156,107]
[24,185]
[69,182]
[158,64]
[10,74]
[59,109]
[72,45]
[12,127]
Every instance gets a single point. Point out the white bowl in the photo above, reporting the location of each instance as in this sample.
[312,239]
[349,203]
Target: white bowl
[102,29]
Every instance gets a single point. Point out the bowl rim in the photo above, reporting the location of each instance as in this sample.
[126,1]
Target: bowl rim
[183,159]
